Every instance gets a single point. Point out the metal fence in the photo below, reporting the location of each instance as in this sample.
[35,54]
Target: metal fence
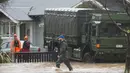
[35,57]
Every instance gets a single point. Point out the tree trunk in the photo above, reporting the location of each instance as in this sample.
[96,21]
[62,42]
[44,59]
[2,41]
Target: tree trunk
[127,66]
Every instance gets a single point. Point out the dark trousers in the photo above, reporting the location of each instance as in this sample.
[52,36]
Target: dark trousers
[66,62]
[26,58]
[26,55]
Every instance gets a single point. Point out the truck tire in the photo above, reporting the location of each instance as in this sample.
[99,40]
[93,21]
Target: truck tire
[87,58]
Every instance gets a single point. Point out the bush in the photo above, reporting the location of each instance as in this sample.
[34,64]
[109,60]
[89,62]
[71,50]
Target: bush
[4,57]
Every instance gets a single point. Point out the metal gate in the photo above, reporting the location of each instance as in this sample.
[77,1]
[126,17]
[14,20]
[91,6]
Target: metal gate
[35,57]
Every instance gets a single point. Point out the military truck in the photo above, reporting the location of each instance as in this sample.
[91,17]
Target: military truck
[90,34]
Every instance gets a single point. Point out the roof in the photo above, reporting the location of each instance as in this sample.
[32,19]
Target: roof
[18,14]
[114,5]
[11,18]
[67,9]
[15,14]
[40,5]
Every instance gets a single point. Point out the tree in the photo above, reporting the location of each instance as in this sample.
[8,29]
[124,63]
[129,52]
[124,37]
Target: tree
[127,65]
[2,1]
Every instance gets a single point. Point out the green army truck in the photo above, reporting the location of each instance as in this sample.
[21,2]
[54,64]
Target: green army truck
[90,34]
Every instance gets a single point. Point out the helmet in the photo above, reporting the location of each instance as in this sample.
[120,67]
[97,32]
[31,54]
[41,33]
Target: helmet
[26,38]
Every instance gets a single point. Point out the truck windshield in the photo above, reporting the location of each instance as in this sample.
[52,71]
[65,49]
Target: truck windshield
[109,29]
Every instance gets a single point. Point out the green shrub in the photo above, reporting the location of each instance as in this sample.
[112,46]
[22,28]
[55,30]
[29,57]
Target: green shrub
[4,58]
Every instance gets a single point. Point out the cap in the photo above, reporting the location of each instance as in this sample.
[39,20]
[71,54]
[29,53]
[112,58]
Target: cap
[61,36]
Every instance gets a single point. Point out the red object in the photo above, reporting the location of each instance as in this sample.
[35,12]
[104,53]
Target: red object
[25,50]
[39,49]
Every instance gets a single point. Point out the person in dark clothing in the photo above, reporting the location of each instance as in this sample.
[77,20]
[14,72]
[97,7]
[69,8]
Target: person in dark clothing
[26,48]
[26,45]
[63,53]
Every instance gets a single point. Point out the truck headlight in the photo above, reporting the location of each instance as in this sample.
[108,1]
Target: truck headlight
[98,46]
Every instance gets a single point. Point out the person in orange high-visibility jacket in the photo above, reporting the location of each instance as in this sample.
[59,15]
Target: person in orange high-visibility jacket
[15,45]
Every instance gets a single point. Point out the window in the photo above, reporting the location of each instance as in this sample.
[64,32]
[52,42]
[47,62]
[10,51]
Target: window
[13,29]
[109,29]
[8,45]
[4,45]
[28,32]
[93,30]
[4,29]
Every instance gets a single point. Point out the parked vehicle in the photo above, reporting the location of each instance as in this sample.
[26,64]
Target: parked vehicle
[5,47]
[90,33]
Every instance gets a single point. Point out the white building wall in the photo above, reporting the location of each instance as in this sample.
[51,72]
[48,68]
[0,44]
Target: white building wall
[29,31]
[38,36]
[33,33]
[18,30]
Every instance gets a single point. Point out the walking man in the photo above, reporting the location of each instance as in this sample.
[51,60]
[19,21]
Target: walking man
[63,53]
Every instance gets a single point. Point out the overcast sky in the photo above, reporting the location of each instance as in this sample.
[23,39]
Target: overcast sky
[46,3]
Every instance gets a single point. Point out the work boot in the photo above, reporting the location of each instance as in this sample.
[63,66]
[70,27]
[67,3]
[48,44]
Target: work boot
[57,69]
[71,69]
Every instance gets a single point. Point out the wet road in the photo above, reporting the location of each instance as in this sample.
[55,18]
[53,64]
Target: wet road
[49,67]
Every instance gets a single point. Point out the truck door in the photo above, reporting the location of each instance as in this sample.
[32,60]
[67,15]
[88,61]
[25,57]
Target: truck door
[84,33]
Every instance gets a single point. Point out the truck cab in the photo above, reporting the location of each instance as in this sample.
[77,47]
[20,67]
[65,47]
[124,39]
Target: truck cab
[106,41]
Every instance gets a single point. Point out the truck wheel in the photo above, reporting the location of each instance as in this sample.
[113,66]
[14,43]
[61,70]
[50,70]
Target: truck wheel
[87,58]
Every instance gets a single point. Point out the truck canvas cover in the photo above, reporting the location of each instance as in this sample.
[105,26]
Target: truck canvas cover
[66,21]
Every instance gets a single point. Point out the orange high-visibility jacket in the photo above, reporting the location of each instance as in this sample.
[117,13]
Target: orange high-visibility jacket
[15,48]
